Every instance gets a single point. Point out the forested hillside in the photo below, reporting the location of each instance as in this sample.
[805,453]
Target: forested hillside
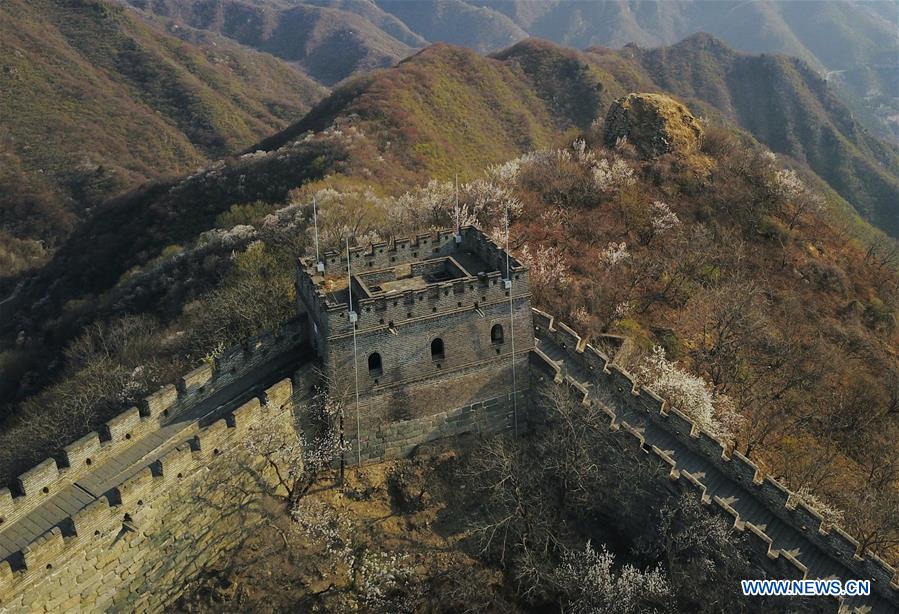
[780,101]
[176,84]
[803,118]
[729,267]
[95,100]
[447,110]
[851,43]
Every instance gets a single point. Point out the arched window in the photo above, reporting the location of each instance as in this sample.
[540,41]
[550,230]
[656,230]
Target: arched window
[437,349]
[374,365]
[496,334]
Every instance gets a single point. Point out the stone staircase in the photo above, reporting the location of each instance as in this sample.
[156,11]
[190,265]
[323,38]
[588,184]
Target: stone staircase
[564,360]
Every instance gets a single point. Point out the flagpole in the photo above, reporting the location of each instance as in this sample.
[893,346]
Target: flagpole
[511,330]
[353,317]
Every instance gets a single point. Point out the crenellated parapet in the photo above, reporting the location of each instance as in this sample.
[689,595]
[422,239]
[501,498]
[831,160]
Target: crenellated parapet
[324,293]
[593,375]
[400,251]
[35,486]
[132,508]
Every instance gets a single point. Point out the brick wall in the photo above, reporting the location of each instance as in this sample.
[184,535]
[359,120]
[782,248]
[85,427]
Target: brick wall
[406,353]
[608,378]
[475,400]
[134,549]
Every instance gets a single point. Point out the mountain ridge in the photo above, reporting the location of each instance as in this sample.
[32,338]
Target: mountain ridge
[803,118]
[852,44]
[104,101]
[444,111]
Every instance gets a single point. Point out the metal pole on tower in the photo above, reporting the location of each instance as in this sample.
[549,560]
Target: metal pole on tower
[456,203]
[511,330]
[318,261]
[353,318]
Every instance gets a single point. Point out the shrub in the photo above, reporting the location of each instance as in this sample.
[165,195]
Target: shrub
[772,229]
[688,393]
[244,214]
[828,277]
[589,583]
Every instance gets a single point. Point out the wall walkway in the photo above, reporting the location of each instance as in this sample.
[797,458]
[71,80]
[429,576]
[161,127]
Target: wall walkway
[131,513]
[787,533]
[151,478]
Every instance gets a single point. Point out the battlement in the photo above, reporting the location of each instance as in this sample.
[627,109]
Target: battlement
[47,479]
[583,364]
[131,503]
[409,279]
[420,247]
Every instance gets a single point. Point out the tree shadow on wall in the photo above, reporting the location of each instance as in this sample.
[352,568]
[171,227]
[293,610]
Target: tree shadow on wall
[223,509]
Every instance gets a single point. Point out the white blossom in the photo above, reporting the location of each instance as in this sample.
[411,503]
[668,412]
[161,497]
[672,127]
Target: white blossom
[590,583]
[610,177]
[688,393]
[614,253]
[545,157]
[580,318]
[582,154]
[259,153]
[623,309]
[226,239]
[483,203]
[832,515]
[787,184]
[327,529]
[349,213]
[388,582]
[425,206]
[555,216]
[663,218]
[505,174]
[547,267]
[299,455]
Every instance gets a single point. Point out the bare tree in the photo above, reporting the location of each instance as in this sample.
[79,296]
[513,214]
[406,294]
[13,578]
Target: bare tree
[296,456]
[591,583]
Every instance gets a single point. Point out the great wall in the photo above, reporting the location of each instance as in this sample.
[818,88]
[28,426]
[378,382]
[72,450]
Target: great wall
[789,535]
[125,517]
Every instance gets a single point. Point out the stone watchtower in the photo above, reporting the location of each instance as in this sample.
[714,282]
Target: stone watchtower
[435,321]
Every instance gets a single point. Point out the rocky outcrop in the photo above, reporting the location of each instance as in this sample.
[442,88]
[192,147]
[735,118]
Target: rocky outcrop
[654,124]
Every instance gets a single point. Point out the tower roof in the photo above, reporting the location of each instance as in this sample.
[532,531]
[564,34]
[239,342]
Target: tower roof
[427,265]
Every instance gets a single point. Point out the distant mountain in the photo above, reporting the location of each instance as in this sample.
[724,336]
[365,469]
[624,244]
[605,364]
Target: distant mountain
[329,40]
[854,44]
[783,103]
[96,100]
[457,22]
[825,33]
